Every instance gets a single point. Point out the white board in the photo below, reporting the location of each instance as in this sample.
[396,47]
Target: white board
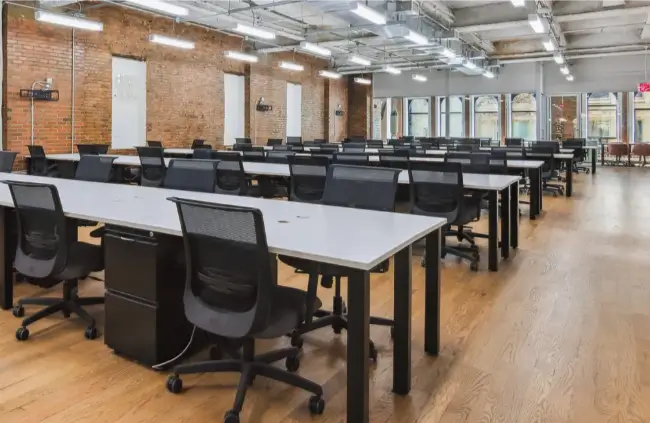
[129,114]
[294,110]
[234,108]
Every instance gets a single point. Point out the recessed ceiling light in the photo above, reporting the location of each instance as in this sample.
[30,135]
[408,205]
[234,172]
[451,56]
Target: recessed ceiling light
[392,70]
[236,55]
[569,78]
[70,21]
[162,6]
[292,66]
[363,81]
[564,70]
[172,42]
[359,60]
[254,32]
[329,74]
[316,49]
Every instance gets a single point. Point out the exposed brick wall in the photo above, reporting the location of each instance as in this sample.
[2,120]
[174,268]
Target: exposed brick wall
[359,105]
[184,88]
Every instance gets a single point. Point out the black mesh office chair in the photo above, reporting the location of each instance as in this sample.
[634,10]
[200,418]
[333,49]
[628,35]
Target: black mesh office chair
[85,149]
[369,188]
[254,156]
[279,156]
[243,141]
[226,155]
[354,147]
[352,159]
[38,163]
[514,142]
[94,168]
[545,153]
[320,140]
[203,154]
[7,159]
[437,190]
[294,140]
[231,292]
[197,143]
[274,141]
[48,254]
[152,163]
[394,160]
[308,176]
[329,148]
[231,178]
[579,153]
[242,147]
[375,144]
[154,144]
[191,175]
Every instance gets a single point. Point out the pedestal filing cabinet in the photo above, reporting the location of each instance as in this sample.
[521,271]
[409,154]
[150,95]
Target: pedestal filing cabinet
[145,278]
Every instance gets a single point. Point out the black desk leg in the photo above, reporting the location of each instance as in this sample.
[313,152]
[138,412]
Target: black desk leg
[358,347]
[6,261]
[432,293]
[540,192]
[514,215]
[602,154]
[594,153]
[569,178]
[505,223]
[534,188]
[402,313]
[493,231]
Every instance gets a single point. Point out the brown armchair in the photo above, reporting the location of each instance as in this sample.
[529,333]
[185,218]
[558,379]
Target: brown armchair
[642,150]
[618,150]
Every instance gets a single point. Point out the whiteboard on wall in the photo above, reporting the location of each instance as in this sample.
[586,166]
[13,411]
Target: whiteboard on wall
[234,108]
[294,110]
[129,112]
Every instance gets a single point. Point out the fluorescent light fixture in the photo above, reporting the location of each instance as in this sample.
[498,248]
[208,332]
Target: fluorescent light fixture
[518,3]
[316,49]
[536,23]
[329,74]
[292,66]
[359,60]
[549,45]
[363,81]
[469,65]
[162,6]
[70,21]
[488,74]
[450,54]
[392,70]
[368,14]
[236,55]
[172,42]
[416,37]
[569,78]
[564,70]
[558,58]
[419,78]
[254,32]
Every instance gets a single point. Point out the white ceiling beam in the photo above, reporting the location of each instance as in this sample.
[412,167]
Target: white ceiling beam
[613,3]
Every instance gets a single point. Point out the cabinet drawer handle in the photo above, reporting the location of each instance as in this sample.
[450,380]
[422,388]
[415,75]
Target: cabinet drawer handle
[123,238]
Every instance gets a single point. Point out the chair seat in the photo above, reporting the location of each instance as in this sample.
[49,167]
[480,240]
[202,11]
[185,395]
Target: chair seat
[83,258]
[288,312]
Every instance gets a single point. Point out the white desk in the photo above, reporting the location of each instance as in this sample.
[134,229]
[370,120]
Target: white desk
[359,239]
[179,151]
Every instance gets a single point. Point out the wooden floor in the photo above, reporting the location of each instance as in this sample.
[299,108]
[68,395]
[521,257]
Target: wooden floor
[560,334]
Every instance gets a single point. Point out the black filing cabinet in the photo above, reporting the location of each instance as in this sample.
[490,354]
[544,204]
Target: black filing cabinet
[145,278]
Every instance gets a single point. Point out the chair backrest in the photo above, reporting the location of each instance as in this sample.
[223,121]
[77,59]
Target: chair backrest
[152,163]
[555,145]
[329,148]
[37,160]
[231,178]
[242,141]
[197,143]
[393,141]
[226,155]
[242,147]
[499,165]
[274,141]
[294,140]
[203,146]
[479,158]
[514,142]
[202,154]
[320,140]
[352,159]
[151,143]
[437,189]
[85,149]
[354,147]
[7,159]
[94,168]
[308,174]
[230,287]
[394,161]
[375,143]
[278,156]
[371,188]
[43,233]
[191,175]
[254,156]
[545,153]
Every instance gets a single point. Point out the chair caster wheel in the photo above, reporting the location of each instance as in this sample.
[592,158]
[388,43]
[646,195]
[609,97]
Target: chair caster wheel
[337,328]
[18,311]
[316,405]
[231,417]
[373,354]
[22,334]
[174,384]
[215,353]
[297,341]
[473,267]
[91,333]
[292,363]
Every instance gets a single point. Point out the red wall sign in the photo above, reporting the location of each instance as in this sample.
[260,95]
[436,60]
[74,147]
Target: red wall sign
[644,87]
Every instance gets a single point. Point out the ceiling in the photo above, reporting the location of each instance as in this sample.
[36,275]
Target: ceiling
[491,33]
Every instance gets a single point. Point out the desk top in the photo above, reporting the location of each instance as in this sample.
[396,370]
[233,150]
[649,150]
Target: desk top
[337,235]
[178,151]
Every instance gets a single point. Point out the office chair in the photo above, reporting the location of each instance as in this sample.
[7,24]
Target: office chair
[254,156]
[242,147]
[226,155]
[242,141]
[231,178]
[353,159]
[203,154]
[514,142]
[85,149]
[307,181]
[7,159]
[360,187]
[310,144]
[278,156]
[274,141]
[329,148]
[353,147]
[153,166]
[191,175]
[197,143]
[394,161]
[294,140]
[231,292]
[154,144]
[38,163]
[94,168]
[579,154]
[320,140]
[395,142]
[375,143]
[48,254]
[545,153]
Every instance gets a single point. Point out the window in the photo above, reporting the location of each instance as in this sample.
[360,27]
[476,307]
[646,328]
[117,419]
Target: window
[523,114]
[641,117]
[417,117]
[486,117]
[456,116]
[395,120]
[601,115]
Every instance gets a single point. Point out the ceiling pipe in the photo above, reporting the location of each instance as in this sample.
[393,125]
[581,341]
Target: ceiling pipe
[573,57]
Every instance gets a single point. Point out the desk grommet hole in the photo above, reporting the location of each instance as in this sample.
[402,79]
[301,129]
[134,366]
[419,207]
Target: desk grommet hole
[283,221]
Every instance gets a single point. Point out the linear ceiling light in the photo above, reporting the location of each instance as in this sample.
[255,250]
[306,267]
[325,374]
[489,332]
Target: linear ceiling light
[416,37]
[236,55]
[536,23]
[569,78]
[558,58]
[316,49]
[70,21]
[162,6]
[368,14]
[450,54]
[419,78]
[518,3]
[488,74]
[329,74]
[359,60]
[392,70]
[469,65]
[564,70]
[292,66]
[549,45]
[363,81]
[172,42]
[254,32]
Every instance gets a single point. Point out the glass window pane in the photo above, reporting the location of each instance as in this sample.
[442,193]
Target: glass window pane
[456,118]
[601,115]
[419,105]
[523,116]
[486,117]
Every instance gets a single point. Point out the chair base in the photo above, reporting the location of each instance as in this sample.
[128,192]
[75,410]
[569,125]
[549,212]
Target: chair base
[250,366]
